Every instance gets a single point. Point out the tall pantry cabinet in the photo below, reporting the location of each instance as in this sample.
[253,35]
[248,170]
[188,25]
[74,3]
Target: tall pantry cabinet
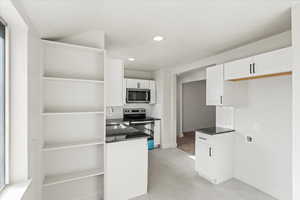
[73,122]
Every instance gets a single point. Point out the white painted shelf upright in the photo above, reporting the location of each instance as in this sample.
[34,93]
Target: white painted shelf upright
[73,122]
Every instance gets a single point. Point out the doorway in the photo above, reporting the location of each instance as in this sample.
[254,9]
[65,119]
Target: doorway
[195,114]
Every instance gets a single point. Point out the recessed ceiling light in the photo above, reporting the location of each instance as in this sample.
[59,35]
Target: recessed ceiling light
[131,59]
[158,38]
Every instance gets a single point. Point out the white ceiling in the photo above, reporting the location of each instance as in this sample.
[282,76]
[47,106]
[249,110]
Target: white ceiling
[193,29]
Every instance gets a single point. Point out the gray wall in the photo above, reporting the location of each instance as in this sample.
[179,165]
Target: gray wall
[195,112]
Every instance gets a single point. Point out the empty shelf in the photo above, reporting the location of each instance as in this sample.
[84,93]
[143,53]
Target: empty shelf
[61,146]
[48,78]
[64,178]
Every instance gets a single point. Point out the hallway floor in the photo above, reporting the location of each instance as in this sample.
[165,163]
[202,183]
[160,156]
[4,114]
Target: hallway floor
[172,177]
[187,142]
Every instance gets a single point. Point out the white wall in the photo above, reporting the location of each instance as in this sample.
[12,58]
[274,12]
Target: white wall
[193,75]
[166,107]
[225,117]
[271,43]
[195,112]
[296,100]
[25,65]
[35,120]
[266,163]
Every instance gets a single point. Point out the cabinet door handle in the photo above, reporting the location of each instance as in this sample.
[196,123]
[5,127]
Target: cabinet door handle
[210,152]
[250,68]
[202,138]
[221,100]
[253,68]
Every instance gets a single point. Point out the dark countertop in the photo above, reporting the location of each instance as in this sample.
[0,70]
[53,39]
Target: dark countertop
[121,132]
[122,120]
[215,130]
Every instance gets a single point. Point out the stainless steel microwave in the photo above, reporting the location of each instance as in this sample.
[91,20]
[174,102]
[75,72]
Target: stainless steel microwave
[134,95]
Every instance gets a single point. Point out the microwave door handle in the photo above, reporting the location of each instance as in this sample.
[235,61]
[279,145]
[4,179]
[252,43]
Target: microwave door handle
[127,96]
[147,95]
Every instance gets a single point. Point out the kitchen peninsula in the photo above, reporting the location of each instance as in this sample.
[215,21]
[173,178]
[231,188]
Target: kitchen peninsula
[126,159]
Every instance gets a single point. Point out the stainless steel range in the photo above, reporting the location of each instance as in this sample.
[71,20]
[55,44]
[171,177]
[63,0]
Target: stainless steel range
[136,117]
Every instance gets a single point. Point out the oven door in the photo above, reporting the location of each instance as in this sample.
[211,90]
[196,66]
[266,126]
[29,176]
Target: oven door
[146,127]
[137,95]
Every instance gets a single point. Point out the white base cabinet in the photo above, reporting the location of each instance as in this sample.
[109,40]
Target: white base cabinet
[214,156]
[126,163]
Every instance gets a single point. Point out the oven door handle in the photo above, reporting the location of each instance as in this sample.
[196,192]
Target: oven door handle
[142,122]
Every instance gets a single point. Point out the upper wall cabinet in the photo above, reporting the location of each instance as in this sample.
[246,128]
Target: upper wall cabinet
[278,62]
[223,93]
[214,85]
[114,75]
[238,69]
[137,83]
[273,62]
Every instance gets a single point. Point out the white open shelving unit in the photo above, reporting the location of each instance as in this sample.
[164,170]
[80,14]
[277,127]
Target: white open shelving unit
[73,121]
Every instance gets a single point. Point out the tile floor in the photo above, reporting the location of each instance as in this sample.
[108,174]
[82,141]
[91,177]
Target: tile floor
[172,177]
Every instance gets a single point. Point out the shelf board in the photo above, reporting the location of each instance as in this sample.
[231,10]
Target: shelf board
[68,177]
[48,78]
[70,145]
[74,46]
[73,113]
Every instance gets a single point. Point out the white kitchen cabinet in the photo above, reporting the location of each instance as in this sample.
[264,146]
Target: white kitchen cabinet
[214,156]
[131,83]
[273,62]
[278,62]
[152,87]
[204,159]
[137,83]
[238,69]
[223,93]
[157,132]
[214,85]
[114,75]
[126,163]
[143,84]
